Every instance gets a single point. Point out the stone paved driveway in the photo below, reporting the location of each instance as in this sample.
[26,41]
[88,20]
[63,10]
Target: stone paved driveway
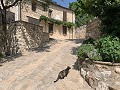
[38,70]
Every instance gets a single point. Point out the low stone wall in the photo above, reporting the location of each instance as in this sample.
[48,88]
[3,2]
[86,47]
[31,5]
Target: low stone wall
[100,75]
[24,36]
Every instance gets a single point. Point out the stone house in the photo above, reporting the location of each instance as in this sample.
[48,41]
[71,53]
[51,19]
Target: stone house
[26,32]
[31,12]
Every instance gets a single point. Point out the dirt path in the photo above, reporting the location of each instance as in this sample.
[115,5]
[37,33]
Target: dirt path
[38,70]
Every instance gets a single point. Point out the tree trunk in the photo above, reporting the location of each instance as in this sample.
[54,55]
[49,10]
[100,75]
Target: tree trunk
[4,25]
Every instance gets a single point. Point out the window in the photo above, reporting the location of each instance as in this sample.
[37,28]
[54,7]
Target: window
[49,13]
[50,28]
[10,17]
[64,16]
[33,5]
[64,30]
[33,20]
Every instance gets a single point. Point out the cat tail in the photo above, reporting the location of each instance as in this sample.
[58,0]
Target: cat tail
[56,80]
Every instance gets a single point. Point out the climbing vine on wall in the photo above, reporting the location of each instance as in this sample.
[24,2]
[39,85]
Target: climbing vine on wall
[54,21]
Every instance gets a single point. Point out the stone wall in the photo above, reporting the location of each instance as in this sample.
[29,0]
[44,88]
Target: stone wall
[57,13]
[80,32]
[93,29]
[24,36]
[26,11]
[45,37]
[100,75]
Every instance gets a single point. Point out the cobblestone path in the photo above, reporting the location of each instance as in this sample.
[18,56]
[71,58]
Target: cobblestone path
[38,70]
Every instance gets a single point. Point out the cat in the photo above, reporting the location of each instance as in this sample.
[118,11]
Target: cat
[110,88]
[63,74]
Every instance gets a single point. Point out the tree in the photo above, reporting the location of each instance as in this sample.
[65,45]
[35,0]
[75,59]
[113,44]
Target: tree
[3,8]
[108,11]
[81,16]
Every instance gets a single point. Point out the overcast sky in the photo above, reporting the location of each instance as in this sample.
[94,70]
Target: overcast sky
[64,3]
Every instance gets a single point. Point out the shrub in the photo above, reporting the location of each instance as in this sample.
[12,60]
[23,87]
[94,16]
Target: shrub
[95,55]
[88,51]
[109,48]
[89,41]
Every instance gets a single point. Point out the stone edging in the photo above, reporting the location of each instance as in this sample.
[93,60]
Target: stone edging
[106,63]
[99,77]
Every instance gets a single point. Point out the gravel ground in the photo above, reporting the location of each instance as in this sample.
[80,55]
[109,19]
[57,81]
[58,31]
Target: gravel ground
[38,70]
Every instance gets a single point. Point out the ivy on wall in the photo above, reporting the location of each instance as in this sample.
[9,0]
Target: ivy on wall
[54,21]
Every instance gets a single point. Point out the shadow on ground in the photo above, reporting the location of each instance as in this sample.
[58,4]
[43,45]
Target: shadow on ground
[46,46]
[9,58]
[74,50]
[77,41]
[75,66]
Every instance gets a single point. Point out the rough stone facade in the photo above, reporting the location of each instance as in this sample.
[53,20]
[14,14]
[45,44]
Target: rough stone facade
[24,36]
[100,75]
[92,29]
[33,36]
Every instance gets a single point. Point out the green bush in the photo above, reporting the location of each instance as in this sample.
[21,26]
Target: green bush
[109,48]
[89,41]
[88,51]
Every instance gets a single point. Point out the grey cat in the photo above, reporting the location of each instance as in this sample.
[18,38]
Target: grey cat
[63,74]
